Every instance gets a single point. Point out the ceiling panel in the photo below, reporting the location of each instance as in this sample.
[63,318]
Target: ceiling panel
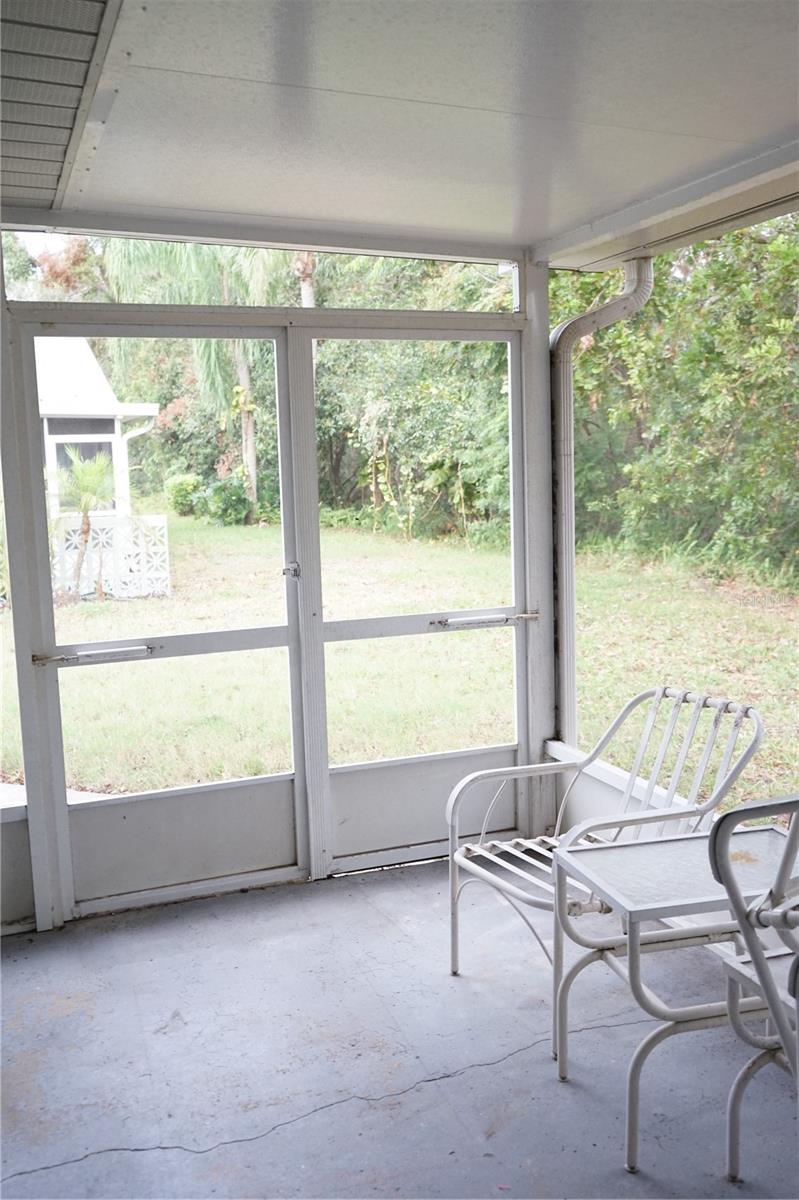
[509,122]
[299,152]
[707,68]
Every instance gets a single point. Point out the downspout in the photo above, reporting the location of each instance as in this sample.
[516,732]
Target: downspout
[638,282]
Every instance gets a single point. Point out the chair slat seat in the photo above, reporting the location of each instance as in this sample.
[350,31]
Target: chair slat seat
[536,853]
[779,963]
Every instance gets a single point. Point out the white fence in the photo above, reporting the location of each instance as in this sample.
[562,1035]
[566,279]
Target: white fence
[127,556]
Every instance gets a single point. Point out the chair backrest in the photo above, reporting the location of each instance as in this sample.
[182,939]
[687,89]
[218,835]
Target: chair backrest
[680,748]
[778,909]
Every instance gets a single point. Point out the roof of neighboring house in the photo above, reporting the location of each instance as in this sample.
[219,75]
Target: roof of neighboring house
[71,383]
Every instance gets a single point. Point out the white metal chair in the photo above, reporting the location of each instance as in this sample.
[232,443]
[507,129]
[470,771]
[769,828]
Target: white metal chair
[770,970]
[685,735]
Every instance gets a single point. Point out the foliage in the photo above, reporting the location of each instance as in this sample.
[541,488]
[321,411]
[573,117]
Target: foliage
[182,493]
[75,273]
[686,417]
[226,501]
[416,430]
[18,266]
[88,483]
[194,273]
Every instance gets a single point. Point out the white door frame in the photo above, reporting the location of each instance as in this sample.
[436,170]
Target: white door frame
[305,633]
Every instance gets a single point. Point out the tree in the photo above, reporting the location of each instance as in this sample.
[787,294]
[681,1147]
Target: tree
[687,417]
[193,273]
[18,266]
[88,484]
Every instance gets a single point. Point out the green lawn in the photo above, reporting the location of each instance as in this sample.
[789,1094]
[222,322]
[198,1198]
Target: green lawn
[134,726]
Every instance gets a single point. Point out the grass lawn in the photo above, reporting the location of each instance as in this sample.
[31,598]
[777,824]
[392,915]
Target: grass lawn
[134,726]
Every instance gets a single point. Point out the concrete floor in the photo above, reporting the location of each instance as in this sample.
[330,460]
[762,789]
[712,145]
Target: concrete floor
[309,1041]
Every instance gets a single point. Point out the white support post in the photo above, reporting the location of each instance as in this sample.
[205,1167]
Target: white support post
[538,580]
[121,465]
[309,596]
[34,633]
[291,554]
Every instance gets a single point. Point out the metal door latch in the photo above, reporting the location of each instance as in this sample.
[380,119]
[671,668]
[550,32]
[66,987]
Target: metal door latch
[292,569]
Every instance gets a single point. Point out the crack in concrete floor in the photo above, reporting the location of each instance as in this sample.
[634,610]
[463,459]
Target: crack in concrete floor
[257,1137]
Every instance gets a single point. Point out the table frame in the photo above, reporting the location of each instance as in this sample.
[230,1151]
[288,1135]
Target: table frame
[630,944]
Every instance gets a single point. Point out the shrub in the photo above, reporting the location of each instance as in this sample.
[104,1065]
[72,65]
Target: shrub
[182,493]
[225,502]
[267,513]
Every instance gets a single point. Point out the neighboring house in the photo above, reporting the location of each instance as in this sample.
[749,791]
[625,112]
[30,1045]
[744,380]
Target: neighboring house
[127,555]
[79,408]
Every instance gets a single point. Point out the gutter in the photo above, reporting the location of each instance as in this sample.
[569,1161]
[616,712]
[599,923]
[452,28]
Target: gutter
[639,280]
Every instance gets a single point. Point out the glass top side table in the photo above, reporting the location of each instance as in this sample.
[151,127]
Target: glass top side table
[664,880]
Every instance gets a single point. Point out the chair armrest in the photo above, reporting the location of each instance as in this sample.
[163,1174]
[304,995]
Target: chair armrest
[652,817]
[530,771]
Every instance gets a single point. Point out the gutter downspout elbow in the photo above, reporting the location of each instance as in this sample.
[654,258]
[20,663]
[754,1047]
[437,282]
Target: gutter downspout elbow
[639,277]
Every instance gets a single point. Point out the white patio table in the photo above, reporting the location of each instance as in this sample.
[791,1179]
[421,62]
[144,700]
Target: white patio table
[667,880]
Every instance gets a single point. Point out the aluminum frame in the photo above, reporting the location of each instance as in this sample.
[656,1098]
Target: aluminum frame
[304,632]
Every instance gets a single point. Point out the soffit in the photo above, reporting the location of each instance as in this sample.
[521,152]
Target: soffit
[48,47]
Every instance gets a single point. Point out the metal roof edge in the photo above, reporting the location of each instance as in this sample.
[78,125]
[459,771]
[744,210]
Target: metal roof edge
[275,233]
[742,194]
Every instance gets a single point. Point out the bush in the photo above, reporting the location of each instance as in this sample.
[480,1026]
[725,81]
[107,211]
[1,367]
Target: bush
[267,513]
[225,502]
[346,518]
[182,493]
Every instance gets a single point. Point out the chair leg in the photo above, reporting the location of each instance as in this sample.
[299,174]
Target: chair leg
[562,1011]
[454,964]
[634,1090]
[734,1111]
[557,976]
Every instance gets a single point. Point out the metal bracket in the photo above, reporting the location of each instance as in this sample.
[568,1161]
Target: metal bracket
[292,569]
[120,654]
[482,622]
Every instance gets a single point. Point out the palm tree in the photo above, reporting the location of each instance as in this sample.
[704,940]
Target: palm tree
[88,485]
[194,273]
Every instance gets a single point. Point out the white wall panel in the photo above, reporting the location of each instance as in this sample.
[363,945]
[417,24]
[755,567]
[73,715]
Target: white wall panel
[16,882]
[400,803]
[132,844]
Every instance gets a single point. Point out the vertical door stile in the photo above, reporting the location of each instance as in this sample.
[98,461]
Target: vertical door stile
[536,490]
[308,585]
[34,633]
[519,555]
[291,554]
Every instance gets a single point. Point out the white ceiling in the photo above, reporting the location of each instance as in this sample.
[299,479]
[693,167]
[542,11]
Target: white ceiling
[481,123]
